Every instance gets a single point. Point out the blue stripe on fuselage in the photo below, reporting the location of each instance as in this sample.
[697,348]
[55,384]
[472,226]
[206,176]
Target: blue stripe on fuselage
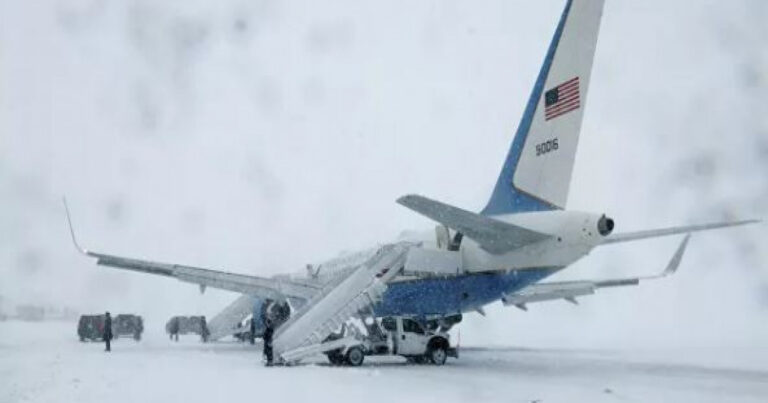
[454,294]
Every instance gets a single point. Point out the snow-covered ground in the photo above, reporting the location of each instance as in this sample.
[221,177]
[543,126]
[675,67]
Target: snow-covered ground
[44,362]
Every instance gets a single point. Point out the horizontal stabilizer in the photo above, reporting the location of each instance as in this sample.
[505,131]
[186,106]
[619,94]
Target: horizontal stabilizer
[634,236]
[492,235]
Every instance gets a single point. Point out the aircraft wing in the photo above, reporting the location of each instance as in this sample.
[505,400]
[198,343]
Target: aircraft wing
[273,288]
[492,235]
[569,290]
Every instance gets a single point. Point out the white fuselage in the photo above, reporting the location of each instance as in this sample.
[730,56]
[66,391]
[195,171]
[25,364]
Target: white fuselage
[573,235]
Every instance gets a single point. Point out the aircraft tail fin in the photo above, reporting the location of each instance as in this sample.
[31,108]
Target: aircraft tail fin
[537,172]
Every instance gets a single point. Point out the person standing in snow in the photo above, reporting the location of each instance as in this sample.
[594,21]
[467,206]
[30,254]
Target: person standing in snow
[108,331]
[252,331]
[174,328]
[204,333]
[268,331]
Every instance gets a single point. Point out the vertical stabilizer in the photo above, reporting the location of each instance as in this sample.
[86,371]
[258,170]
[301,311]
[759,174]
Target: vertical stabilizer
[537,172]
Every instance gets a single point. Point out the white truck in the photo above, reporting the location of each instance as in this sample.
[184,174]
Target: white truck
[391,336]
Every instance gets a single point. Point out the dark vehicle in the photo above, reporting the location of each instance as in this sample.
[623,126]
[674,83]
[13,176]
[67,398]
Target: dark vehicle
[91,327]
[187,325]
[128,325]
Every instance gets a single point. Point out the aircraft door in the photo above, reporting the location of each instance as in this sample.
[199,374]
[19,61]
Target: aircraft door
[412,340]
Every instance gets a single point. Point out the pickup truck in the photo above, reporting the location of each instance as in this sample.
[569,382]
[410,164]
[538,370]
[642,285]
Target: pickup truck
[396,336]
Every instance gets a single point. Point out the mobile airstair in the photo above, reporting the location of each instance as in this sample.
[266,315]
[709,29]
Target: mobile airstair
[304,333]
[226,322]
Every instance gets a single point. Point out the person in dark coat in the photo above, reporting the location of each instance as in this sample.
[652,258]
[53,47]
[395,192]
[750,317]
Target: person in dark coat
[268,331]
[174,330]
[108,331]
[204,332]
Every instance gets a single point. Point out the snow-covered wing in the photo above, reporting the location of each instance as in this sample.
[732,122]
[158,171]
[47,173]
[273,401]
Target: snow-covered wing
[492,235]
[274,288]
[569,290]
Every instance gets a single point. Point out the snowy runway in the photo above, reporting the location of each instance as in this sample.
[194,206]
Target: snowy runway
[44,362]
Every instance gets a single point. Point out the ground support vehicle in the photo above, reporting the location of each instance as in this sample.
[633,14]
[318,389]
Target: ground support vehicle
[91,327]
[127,325]
[389,336]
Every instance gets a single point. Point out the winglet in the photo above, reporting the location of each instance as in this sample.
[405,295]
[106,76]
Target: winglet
[675,262]
[71,229]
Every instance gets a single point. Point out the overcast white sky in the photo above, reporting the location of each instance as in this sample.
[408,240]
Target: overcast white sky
[257,136]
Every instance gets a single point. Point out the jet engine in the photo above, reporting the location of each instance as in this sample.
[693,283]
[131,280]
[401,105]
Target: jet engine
[605,225]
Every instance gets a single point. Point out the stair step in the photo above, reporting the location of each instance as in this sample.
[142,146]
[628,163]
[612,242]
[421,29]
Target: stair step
[321,316]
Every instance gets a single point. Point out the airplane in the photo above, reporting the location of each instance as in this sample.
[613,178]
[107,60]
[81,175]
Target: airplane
[504,252]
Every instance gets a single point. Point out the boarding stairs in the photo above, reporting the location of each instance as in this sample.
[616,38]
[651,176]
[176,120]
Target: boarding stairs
[226,322]
[304,333]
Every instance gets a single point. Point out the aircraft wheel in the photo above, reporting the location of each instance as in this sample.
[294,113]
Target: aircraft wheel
[355,356]
[438,355]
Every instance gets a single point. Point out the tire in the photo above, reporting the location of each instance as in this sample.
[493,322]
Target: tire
[437,355]
[335,358]
[355,357]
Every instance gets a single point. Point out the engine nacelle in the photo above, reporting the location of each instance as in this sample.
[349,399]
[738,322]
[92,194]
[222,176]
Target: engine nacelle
[605,225]
[571,235]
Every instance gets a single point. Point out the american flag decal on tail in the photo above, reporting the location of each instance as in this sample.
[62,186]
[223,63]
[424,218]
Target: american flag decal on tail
[562,99]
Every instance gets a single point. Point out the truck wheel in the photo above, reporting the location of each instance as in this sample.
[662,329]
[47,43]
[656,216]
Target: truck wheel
[335,358]
[438,355]
[355,356]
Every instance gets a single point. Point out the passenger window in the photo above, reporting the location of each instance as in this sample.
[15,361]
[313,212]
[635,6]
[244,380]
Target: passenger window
[412,327]
[389,324]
